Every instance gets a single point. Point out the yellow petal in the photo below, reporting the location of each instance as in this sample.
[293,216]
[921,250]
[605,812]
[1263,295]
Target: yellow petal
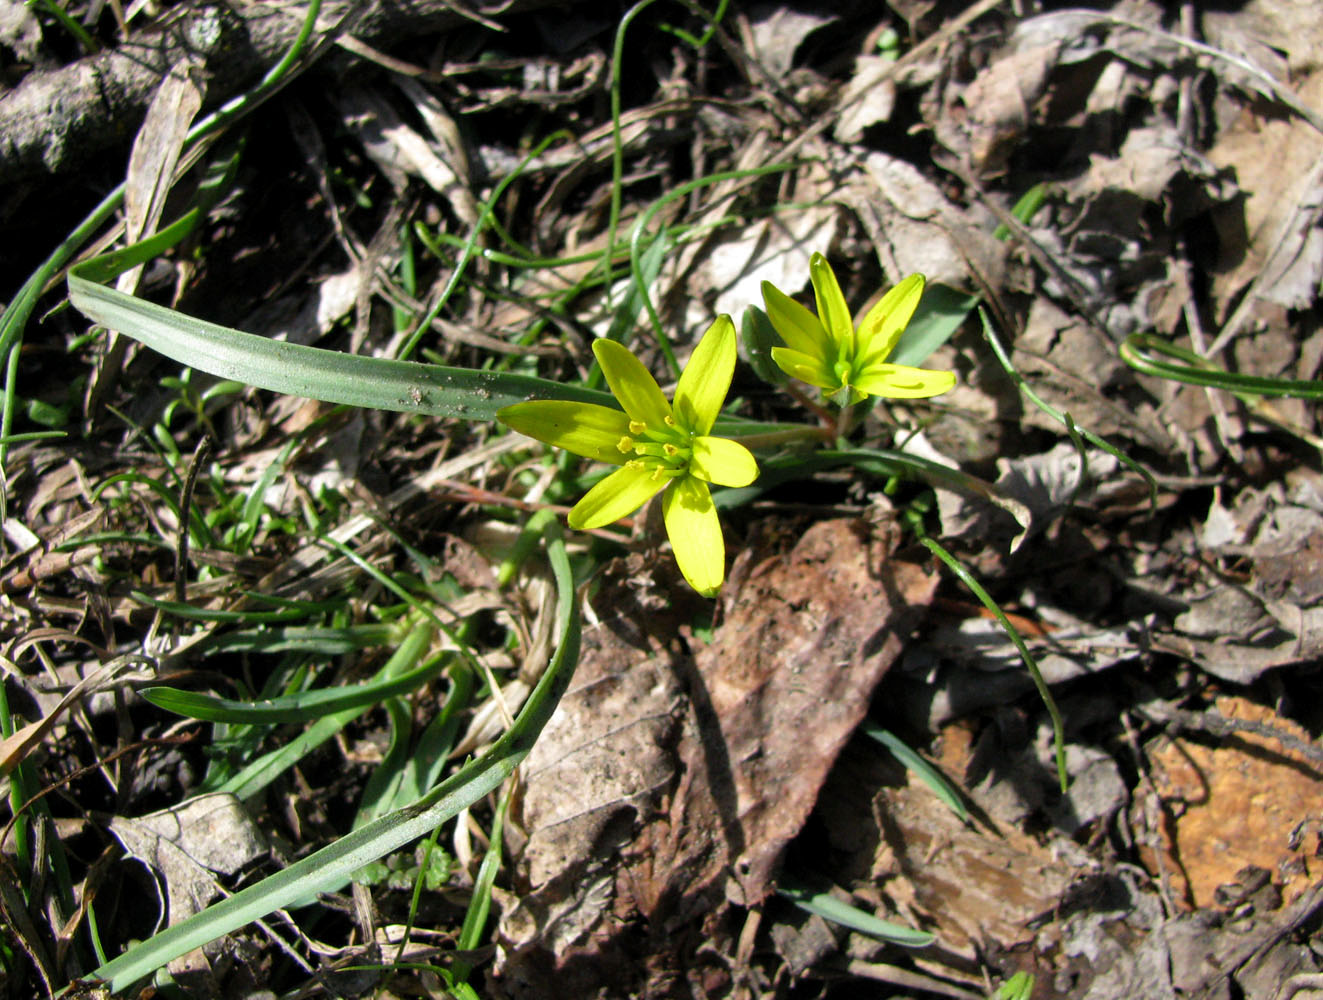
[901,382]
[631,383]
[582,428]
[798,327]
[833,313]
[886,321]
[706,378]
[805,367]
[616,496]
[695,534]
[723,461]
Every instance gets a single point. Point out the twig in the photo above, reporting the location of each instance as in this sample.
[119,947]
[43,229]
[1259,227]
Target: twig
[1216,724]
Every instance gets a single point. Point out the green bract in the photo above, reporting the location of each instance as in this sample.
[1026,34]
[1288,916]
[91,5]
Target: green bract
[657,444]
[827,351]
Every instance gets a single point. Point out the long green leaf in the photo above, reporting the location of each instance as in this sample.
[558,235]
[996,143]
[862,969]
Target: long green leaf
[296,370]
[1144,352]
[333,864]
[301,707]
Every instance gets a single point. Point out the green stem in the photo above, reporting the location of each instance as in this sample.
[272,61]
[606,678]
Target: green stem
[641,227]
[967,578]
[617,140]
[471,244]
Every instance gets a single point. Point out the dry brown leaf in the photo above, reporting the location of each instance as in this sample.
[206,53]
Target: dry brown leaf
[666,782]
[1278,35]
[776,33]
[19,744]
[913,226]
[775,250]
[983,121]
[189,845]
[156,149]
[968,884]
[806,639]
[1271,235]
[868,99]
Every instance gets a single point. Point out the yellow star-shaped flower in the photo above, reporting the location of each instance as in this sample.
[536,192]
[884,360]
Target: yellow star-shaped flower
[657,445]
[827,350]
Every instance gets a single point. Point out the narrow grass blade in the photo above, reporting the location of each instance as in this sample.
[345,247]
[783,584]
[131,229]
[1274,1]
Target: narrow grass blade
[303,639]
[480,903]
[301,707]
[261,772]
[1145,352]
[639,237]
[967,578]
[1075,433]
[193,613]
[337,862]
[384,782]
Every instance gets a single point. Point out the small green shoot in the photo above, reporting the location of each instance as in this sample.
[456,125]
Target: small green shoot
[1019,987]
[829,907]
[926,773]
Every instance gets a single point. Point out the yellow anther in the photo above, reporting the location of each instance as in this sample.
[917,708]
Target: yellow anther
[637,427]
[625,445]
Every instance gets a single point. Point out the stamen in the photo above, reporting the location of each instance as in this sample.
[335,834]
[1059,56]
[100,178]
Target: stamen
[626,444]
[637,427]
[669,420]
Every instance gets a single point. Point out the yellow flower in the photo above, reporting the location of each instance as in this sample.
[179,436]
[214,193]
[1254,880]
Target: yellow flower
[827,351]
[657,445]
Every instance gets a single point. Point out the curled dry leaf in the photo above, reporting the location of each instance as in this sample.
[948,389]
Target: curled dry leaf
[190,845]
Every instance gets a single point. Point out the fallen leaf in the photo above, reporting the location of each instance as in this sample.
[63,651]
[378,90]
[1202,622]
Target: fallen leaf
[778,31]
[155,153]
[775,250]
[690,772]
[806,639]
[868,99]
[968,884]
[1270,236]
[984,119]
[913,225]
[190,845]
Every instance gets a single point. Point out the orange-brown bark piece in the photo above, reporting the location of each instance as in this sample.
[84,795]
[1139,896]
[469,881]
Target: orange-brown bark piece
[1238,805]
